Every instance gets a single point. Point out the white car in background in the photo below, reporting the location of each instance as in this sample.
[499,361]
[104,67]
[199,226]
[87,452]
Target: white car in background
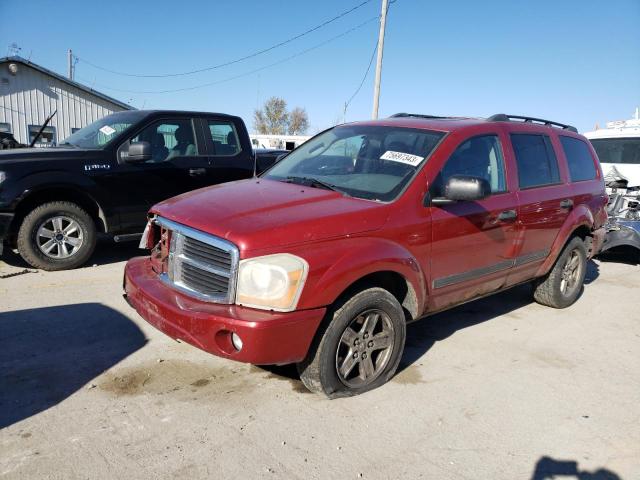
[618,148]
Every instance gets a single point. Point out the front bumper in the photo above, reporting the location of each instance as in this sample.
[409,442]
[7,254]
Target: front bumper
[598,241]
[5,223]
[268,337]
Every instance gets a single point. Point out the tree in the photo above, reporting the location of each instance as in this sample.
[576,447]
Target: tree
[298,121]
[272,118]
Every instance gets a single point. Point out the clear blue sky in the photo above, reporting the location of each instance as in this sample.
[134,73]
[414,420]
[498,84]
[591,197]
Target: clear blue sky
[571,61]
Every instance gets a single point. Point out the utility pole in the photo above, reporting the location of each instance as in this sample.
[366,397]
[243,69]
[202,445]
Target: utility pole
[376,85]
[70,62]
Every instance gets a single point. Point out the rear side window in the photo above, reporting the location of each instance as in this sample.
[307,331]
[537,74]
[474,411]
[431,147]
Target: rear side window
[579,159]
[224,137]
[537,163]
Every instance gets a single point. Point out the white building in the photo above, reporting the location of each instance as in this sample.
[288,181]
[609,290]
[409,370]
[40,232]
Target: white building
[30,93]
[284,142]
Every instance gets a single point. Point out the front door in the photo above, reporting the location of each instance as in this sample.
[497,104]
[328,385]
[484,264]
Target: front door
[472,242]
[178,164]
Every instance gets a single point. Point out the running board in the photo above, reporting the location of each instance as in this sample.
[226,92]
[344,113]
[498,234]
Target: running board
[129,237]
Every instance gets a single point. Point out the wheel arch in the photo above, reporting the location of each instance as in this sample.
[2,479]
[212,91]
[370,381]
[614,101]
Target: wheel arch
[579,224]
[34,198]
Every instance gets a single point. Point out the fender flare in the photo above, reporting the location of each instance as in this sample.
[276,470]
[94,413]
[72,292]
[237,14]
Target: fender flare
[579,217]
[358,257]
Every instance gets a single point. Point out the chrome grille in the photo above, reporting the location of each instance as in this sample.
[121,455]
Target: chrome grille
[201,265]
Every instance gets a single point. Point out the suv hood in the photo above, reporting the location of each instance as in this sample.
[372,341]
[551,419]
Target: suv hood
[19,155]
[261,213]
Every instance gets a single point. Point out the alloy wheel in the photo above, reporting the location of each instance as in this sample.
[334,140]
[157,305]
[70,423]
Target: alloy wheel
[59,237]
[571,273]
[365,348]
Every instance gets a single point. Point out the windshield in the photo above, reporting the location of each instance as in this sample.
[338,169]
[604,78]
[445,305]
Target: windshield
[371,162]
[618,150]
[102,132]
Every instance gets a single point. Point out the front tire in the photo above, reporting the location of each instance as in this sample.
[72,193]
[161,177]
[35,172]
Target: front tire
[57,236]
[563,284]
[360,348]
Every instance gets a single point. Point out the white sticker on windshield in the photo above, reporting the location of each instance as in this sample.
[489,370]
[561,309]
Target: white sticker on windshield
[401,157]
[107,130]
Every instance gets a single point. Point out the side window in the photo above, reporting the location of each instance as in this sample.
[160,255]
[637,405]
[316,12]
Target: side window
[224,137]
[476,157]
[5,127]
[169,139]
[579,159]
[537,163]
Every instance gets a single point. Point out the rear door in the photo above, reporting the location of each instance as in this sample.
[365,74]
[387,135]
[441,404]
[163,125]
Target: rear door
[179,164]
[473,242]
[229,151]
[544,197]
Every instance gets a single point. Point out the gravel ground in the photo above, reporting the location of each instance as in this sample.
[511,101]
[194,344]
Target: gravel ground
[501,388]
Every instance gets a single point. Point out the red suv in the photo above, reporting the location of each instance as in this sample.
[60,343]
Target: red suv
[324,259]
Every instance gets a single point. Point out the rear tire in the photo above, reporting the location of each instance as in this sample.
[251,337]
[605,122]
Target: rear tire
[57,236]
[562,286]
[359,349]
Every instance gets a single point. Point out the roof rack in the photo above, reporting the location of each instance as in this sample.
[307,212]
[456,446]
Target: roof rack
[501,117]
[415,115]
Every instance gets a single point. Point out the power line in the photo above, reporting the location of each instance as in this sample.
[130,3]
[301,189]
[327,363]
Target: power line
[373,55]
[231,62]
[245,74]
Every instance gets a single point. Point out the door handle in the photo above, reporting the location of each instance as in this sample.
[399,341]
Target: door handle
[195,172]
[567,203]
[507,216]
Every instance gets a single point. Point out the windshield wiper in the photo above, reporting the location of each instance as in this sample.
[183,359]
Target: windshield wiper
[313,182]
[69,144]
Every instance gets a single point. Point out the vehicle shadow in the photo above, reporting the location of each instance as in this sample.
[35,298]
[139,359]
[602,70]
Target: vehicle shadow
[626,255]
[47,354]
[547,469]
[106,252]
[423,334]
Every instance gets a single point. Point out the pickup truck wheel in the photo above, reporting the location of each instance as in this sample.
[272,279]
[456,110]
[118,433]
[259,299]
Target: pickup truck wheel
[57,236]
[360,348]
[563,284]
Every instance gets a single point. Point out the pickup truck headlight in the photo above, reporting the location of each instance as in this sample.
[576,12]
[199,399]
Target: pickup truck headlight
[272,282]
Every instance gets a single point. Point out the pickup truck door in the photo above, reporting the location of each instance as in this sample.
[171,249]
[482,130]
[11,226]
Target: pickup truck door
[230,153]
[179,164]
[473,242]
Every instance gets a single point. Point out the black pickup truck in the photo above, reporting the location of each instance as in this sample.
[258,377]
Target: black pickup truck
[54,202]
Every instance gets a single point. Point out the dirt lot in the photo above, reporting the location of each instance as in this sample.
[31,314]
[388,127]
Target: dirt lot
[501,388]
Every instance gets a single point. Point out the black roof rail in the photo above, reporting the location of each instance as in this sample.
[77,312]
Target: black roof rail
[501,117]
[414,115]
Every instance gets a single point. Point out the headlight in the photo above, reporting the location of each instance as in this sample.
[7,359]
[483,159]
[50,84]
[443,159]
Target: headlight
[3,177]
[272,282]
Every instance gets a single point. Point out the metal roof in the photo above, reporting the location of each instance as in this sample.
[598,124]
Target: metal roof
[46,71]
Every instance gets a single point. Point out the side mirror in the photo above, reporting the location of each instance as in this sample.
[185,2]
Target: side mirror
[464,188]
[138,152]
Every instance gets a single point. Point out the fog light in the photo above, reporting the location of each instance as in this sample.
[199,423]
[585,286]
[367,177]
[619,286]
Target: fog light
[237,341]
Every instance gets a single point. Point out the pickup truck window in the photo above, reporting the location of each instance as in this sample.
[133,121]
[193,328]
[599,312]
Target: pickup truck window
[537,163]
[370,162]
[101,133]
[169,139]
[224,137]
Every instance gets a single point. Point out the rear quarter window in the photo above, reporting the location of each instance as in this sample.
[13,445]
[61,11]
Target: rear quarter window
[536,160]
[579,159]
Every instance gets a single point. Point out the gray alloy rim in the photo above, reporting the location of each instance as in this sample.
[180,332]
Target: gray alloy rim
[571,273]
[365,348]
[59,237]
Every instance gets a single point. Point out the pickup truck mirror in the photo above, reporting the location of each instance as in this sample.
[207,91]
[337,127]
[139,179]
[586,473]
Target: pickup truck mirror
[138,152]
[464,188]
